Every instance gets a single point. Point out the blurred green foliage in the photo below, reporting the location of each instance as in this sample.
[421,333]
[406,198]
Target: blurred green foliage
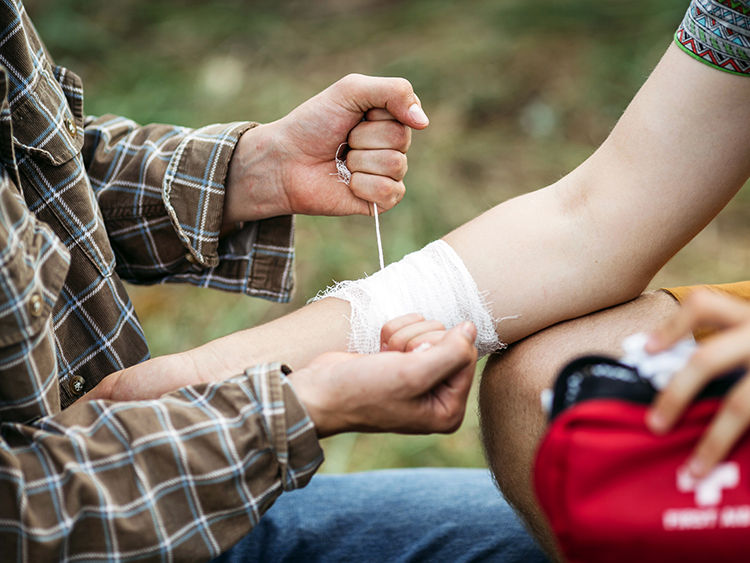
[518,92]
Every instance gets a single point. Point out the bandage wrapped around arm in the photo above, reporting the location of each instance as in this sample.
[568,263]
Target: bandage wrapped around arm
[433,282]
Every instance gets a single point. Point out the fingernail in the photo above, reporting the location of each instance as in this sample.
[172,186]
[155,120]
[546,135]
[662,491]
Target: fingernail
[384,347]
[418,114]
[656,423]
[422,347]
[696,467]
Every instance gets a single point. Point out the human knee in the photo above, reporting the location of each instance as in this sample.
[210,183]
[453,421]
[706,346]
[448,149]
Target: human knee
[509,404]
[515,377]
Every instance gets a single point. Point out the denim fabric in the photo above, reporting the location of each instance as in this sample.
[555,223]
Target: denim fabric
[449,515]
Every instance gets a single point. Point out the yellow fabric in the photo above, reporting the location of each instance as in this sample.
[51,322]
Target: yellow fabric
[737,289]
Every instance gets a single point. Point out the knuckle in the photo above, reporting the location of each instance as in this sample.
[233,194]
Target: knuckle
[398,136]
[384,188]
[351,78]
[395,164]
[402,85]
[397,195]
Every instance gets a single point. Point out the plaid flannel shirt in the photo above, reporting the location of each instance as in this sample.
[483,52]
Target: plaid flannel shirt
[84,204]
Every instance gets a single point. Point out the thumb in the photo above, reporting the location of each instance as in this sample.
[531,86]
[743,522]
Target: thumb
[360,93]
[454,352]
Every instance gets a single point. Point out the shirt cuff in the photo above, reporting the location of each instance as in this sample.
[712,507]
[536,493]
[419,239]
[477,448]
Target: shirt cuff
[193,188]
[258,259]
[290,430]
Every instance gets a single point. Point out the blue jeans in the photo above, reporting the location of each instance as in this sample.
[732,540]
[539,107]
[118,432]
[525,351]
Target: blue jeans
[396,515]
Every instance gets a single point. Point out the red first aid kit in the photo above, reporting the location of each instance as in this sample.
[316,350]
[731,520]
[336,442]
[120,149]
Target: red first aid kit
[614,491]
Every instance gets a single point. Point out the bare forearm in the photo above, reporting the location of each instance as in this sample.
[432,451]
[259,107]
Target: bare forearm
[294,339]
[598,236]
[591,240]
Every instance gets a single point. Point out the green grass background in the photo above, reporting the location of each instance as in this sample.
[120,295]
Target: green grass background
[518,93]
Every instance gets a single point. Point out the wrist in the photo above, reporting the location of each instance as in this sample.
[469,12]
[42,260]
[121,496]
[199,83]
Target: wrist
[312,392]
[254,187]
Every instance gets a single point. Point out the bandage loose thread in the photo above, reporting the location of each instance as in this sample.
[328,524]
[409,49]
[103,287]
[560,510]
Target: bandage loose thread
[377,234]
[345,176]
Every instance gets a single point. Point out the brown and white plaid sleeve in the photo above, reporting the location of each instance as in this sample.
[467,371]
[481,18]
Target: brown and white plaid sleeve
[105,200]
[82,203]
[182,477]
[160,189]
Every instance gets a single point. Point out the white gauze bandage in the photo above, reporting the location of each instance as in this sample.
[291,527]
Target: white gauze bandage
[433,282]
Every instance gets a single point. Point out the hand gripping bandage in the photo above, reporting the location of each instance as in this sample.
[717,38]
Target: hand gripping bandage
[433,282]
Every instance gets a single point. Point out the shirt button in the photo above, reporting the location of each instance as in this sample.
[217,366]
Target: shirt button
[35,305]
[71,125]
[77,384]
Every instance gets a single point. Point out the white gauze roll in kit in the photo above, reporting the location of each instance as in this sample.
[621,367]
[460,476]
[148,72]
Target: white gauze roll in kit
[433,282]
